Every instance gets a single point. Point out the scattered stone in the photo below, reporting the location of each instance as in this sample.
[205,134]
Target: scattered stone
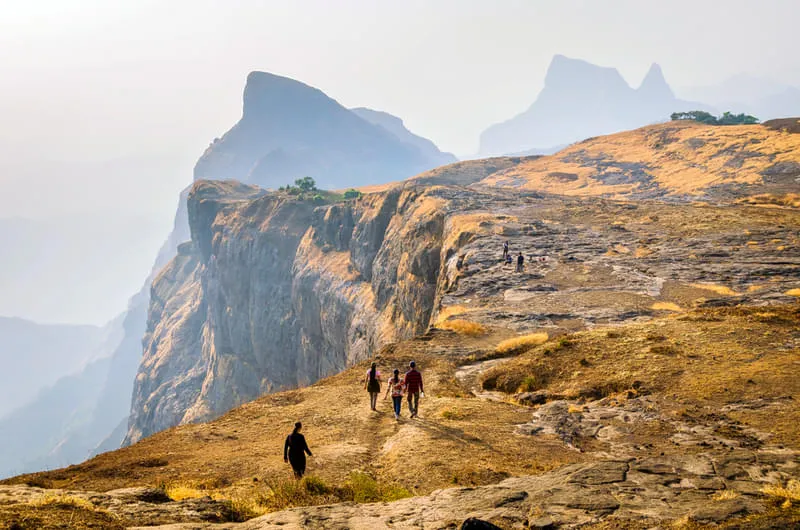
[542,523]
[601,473]
[477,524]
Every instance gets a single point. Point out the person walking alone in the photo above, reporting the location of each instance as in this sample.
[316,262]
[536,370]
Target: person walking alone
[413,382]
[505,250]
[520,261]
[395,386]
[372,384]
[295,449]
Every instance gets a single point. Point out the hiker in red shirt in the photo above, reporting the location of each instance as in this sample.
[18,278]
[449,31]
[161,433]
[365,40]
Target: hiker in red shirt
[413,381]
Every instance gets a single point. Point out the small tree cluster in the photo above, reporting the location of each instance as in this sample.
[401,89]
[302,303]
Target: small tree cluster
[301,187]
[727,118]
[352,194]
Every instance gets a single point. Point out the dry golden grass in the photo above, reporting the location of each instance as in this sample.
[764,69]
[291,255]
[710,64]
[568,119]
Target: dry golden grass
[703,356]
[642,252]
[464,327]
[725,495]
[64,501]
[179,492]
[791,200]
[521,343]
[450,311]
[793,292]
[684,158]
[787,495]
[719,289]
[666,306]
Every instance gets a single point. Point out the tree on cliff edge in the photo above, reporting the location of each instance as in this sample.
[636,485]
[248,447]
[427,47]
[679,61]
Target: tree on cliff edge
[306,184]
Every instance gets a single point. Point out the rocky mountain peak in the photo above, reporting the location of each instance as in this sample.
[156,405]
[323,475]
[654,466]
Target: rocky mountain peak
[271,96]
[567,72]
[654,84]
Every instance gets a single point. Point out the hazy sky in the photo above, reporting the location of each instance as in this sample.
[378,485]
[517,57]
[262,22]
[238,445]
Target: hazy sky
[107,104]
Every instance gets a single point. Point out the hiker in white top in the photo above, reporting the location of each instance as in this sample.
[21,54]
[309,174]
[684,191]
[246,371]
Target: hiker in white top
[396,386]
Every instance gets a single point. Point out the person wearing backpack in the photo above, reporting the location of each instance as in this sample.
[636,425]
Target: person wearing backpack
[396,386]
[372,383]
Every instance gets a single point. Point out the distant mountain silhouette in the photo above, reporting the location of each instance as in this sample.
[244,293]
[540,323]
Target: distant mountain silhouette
[764,98]
[395,125]
[34,356]
[581,100]
[290,130]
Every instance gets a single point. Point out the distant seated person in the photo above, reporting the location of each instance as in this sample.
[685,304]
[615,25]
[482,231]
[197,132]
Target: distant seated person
[509,259]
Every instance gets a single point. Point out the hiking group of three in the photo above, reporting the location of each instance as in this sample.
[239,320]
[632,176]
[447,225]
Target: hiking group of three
[410,385]
[295,448]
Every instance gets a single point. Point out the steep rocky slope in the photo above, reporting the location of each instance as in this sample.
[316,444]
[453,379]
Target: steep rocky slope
[580,100]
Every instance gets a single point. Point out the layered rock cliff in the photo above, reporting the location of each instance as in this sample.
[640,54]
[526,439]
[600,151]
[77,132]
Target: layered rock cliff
[274,292]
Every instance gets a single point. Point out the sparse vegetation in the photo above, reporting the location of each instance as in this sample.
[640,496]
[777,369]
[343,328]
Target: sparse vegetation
[725,495]
[464,327]
[518,344]
[727,118]
[666,306]
[352,194]
[450,311]
[786,495]
[65,501]
[719,289]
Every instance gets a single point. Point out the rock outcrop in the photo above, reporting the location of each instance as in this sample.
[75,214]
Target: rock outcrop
[274,292]
[580,100]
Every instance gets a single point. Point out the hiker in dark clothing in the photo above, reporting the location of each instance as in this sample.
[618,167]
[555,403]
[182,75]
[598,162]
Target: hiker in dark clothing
[413,381]
[520,261]
[505,250]
[295,449]
[372,383]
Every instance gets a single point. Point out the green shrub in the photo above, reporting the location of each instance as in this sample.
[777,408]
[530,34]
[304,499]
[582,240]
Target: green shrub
[727,118]
[352,194]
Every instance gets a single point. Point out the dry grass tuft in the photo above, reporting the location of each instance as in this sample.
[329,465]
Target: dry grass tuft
[450,311]
[786,495]
[725,495]
[524,342]
[793,292]
[452,413]
[666,306]
[719,289]
[464,327]
[65,501]
[179,492]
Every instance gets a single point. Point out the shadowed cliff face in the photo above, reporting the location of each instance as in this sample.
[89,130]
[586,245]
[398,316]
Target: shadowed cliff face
[273,292]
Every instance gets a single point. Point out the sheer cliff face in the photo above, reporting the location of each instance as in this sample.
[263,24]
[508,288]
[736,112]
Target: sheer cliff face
[273,292]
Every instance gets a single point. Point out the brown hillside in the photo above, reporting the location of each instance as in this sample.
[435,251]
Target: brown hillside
[670,159]
[701,385]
